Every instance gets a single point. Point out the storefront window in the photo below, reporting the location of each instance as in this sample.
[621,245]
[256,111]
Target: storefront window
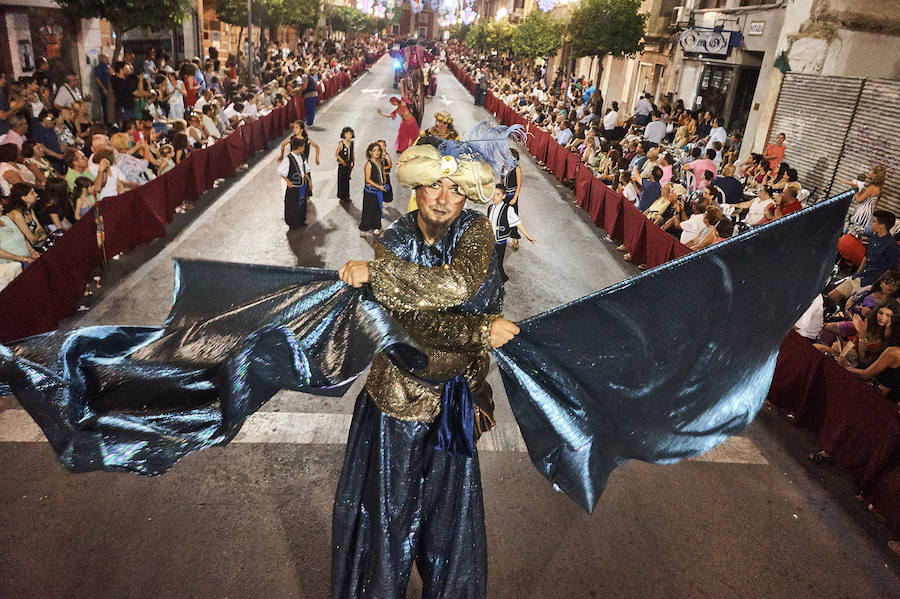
[712,91]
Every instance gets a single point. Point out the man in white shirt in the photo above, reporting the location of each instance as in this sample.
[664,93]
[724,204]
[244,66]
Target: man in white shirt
[68,93]
[204,99]
[642,110]
[233,111]
[565,134]
[716,133]
[209,125]
[655,130]
[611,120]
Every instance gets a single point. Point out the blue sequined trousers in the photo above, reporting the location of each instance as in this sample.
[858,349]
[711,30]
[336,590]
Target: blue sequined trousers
[399,500]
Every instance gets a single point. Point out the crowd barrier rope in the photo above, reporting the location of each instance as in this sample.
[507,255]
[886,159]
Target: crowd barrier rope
[854,423]
[50,289]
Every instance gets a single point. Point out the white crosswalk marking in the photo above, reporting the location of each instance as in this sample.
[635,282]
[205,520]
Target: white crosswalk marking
[299,428]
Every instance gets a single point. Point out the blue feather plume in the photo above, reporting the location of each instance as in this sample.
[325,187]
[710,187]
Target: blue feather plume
[487,143]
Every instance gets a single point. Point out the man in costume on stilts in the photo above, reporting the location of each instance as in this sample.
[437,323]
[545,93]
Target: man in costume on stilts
[410,489]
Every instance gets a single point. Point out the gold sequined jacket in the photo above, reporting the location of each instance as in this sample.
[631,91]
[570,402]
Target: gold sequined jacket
[446,296]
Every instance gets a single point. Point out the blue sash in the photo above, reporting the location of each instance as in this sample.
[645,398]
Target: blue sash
[380,195]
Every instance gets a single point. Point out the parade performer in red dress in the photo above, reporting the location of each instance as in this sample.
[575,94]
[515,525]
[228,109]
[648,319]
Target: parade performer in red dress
[409,129]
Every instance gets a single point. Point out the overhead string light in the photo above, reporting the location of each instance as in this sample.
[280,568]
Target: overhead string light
[546,5]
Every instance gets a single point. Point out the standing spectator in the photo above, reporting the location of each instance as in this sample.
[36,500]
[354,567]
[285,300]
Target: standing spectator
[642,110]
[175,96]
[717,134]
[774,153]
[101,80]
[192,89]
[882,255]
[150,63]
[611,121]
[309,85]
[866,197]
[124,90]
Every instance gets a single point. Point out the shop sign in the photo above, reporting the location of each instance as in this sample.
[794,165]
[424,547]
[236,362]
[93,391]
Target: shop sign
[756,28]
[705,41]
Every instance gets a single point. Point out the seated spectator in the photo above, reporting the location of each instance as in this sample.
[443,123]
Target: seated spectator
[760,209]
[724,230]
[115,182]
[867,196]
[54,209]
[650,163]
[730,186]
[882,255]
[12,169]
[20,208]
[640,156]
[35,159]
[810,324]
[665,163]
[787,203]
[708,235]
[655,130]
[167,158]
[43,131]
[209,121]
[701,165]
[860,341]
[77,166]
[649,189]
[181,145]
[691,225]
[18,130]
[717,134]
[132,168]
[14,251]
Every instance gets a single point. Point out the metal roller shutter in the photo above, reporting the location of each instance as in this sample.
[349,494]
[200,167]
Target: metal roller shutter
[873,139]
[815,112]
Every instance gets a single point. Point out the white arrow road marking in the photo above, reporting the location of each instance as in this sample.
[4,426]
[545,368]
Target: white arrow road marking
[445,100]
[375,93]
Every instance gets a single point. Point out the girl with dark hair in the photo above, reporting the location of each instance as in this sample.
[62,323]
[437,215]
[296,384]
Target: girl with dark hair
[345,157]
[409,128]
[298,129]
[84,195]
[388,164]
[54,210]
[20,209]
[373,192]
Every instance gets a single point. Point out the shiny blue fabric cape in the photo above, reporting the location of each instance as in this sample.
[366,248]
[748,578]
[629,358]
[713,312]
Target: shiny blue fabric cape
[660,367]
[666,365]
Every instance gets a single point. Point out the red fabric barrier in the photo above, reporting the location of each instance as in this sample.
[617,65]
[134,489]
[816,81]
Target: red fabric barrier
[597,206]
[613,220]
[69,264]
[860,427]
[659,245]
[572,164]
[27,303]
[552,149]
[583,178]
[634,235]
[562,163]
[884,495]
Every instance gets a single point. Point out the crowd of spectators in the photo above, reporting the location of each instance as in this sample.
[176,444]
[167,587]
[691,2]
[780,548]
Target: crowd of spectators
[57,162]
[673,163]
[681,169]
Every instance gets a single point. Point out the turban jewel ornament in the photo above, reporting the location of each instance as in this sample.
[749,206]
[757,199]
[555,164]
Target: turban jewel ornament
[472,163]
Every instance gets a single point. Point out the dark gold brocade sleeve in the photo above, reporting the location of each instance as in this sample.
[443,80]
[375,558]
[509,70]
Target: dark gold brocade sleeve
[402,285]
